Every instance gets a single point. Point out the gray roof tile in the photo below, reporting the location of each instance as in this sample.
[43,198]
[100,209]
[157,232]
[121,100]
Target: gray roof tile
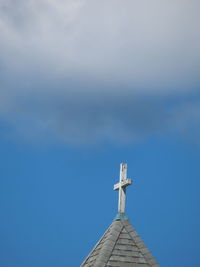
[120,246]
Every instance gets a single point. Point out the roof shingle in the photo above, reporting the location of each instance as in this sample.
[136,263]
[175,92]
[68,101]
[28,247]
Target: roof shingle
[120,246]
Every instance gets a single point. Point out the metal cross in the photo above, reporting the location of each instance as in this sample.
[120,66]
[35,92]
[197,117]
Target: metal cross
[121,186]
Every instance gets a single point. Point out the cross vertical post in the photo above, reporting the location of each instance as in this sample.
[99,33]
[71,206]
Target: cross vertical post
[121,186]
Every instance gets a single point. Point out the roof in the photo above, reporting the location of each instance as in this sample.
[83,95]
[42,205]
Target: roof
[120,246]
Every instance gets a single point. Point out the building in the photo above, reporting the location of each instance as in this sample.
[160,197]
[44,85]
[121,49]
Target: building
[121,245]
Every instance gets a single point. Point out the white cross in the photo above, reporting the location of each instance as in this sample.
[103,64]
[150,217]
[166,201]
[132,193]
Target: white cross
[121,186]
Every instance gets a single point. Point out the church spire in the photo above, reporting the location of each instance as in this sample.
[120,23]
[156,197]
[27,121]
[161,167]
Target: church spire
[121,244]
[121,186]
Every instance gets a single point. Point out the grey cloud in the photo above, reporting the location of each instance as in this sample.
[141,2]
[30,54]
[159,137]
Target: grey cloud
[89,118]
[83,71]
[139,42]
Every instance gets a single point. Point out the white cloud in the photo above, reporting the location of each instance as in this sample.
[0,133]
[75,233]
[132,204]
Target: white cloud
[88,70]
[139,42]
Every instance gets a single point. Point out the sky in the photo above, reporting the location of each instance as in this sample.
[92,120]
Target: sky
[84,86]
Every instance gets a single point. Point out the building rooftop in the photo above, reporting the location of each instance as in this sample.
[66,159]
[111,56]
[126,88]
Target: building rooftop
[121,245]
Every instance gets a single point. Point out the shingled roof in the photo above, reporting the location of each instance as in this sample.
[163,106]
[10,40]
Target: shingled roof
[120,246]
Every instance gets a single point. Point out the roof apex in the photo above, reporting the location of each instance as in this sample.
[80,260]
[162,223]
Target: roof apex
[120,246]
[121,217]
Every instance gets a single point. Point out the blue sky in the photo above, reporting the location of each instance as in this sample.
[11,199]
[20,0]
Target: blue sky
[84,86]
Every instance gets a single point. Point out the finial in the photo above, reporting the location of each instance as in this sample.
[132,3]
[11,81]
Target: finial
[121,186]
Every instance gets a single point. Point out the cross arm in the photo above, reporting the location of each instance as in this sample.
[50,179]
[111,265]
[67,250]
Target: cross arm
[123,183]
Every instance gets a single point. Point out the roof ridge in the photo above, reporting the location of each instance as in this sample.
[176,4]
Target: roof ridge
[140,244]
[115,241]
[96,246]
[120,246]
[109,245]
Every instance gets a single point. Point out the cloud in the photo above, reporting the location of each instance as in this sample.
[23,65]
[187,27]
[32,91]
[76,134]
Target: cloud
[83,71]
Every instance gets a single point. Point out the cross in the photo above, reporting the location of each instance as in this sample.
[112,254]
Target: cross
[121,186]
